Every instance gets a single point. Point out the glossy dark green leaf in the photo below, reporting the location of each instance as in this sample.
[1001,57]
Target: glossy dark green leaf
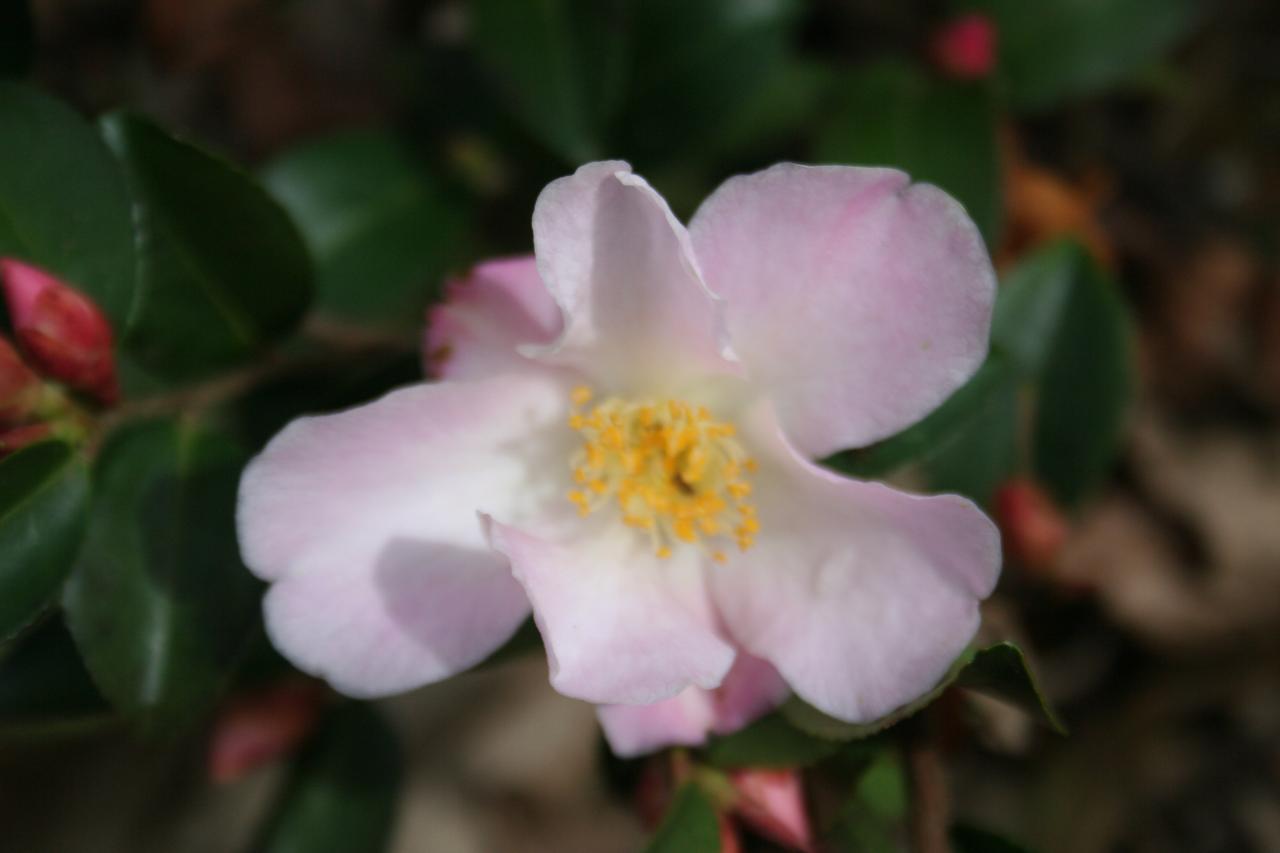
[966,838]
[771,741]
[342,790]
[159,603]
[1002,671]
[978,405]
[381,231]
[16,38]
[223,270]
[695,65]
[978,456]
[43,495]
[64,204]
[938,131]
[559,64]
[690,825]
[1063,321]
[42,679]
[1059,48]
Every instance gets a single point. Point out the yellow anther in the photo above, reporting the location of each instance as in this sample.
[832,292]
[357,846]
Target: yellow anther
[673,471]
[664,552]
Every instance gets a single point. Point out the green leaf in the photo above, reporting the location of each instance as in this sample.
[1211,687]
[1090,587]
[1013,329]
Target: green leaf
[381,231]
[771,741]
[1055,49]
[223,270]
[159,603]
[1002,671]
[43,494]
[982,453]
[871,819]
[967,409]
[16,38]
[690,825]
[938,131]
[1063,321]
[966,838]
[342,790]
[695,66]
[64,204]
[560,64]
[43,680]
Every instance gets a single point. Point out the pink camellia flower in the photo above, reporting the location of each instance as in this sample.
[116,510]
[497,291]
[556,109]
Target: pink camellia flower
[621,444]
[62,332]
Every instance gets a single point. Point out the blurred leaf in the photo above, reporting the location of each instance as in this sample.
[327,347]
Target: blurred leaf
[787,104]
[690,825]
[771,741]
[938,131]
[871,820]
[974,407]
[159,603]
[999,670]
[966,838]
[43,679]
[1002,671]
[381,231]
[43,492]
[342,790]
[697,64]
[223,270]
[1063,321]
[16,38]
[1055,49]
[982,453]
[559,63]
[64,204]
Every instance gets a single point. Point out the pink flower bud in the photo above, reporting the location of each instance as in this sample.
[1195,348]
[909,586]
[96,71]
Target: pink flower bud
[772,803]
[730,842]
[63,334]
[19,387]
[254,729]
[13,440]
[965,47]
[1033,527]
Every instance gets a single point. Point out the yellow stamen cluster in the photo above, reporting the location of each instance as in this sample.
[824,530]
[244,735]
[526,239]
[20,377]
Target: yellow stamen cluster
[673,471]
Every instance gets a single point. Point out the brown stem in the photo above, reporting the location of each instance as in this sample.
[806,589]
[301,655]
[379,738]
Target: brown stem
[930,797]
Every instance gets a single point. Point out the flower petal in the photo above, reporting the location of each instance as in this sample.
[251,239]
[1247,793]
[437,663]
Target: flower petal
[861,302]
[366,521]
[860,595]
[620,625]
[486,316]
[621,267]
[751,689]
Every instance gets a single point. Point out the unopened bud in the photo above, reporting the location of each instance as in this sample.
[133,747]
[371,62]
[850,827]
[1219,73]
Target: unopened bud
[965,47]
[19,386]
[772,803]
[254,729]
[730,841]
[1033,527]
[62,332]
[14,439]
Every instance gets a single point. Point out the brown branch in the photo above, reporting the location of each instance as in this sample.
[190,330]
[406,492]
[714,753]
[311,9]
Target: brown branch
[930,814]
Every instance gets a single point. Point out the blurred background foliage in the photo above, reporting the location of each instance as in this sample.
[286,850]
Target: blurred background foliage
[265,196]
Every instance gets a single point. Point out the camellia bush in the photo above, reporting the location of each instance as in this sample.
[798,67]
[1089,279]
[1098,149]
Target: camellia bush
[737,431]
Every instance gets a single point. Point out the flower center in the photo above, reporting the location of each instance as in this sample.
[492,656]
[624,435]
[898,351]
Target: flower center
[672,470]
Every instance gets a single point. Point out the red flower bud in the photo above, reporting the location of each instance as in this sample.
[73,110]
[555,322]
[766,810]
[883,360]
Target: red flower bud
[257,728]
[772,803]
[63,334]
[1033,527]
[19,387]
[965,47]
[730,842]
[13,440]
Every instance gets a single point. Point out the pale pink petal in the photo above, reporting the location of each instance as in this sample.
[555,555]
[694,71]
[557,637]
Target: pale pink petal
[859,301]
[860,595]
[620,625]
[751,689]
[621,267]
[486,316]
[366,521]
[772,803]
